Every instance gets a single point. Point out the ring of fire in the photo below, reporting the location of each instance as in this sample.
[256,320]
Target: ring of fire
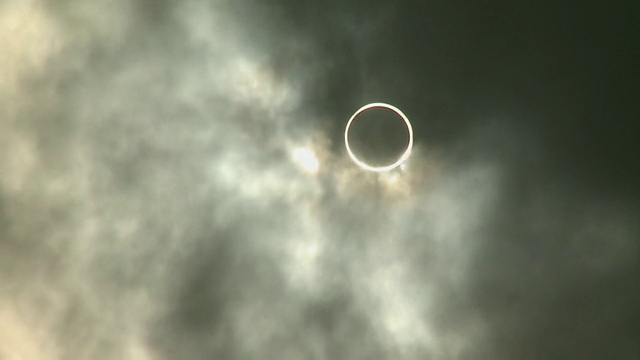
[402,157]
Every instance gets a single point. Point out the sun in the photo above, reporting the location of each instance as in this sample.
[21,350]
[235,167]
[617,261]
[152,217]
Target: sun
[402,157]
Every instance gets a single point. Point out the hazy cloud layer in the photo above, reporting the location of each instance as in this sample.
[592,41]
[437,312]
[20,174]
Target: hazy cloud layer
[173,184]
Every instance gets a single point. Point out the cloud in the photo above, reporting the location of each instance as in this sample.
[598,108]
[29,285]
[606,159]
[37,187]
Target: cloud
[173,185]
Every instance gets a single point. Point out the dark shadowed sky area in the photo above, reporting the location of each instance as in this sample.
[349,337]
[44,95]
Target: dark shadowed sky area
[174,182]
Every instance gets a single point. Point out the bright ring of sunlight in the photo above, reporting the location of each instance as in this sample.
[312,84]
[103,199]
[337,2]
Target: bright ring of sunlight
[400,160]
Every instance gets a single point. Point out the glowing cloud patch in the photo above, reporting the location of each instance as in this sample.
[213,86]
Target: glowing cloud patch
[306,160]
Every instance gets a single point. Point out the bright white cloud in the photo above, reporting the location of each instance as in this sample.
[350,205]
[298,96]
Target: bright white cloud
[306,160]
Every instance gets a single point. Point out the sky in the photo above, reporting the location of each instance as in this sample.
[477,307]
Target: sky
[174,182]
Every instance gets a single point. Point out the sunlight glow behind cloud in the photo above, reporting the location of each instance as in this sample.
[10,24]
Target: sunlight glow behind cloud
[306,160]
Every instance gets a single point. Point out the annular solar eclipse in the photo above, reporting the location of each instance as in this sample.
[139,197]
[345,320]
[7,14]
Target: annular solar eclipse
[405,155]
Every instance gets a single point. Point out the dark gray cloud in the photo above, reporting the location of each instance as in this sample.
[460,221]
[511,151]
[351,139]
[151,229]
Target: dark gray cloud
[173,182]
